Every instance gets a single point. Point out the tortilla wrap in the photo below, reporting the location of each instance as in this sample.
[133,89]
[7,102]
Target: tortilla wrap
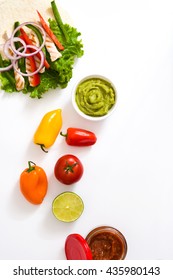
[22,11]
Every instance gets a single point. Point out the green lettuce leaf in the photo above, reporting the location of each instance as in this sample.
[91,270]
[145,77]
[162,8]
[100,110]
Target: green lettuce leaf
[7,80]
[48,81]
[74,44]
[73,48]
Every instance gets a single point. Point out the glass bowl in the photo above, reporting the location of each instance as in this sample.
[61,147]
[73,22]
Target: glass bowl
[107,243]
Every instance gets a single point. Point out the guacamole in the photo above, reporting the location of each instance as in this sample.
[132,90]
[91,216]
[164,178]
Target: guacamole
[95,97]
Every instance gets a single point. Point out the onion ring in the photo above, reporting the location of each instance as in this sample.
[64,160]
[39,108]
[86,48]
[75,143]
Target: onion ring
[30,54]
[7,45]
[22,51]
[3,69]
[13,36]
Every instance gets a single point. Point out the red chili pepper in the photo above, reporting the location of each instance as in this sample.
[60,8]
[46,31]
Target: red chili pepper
[79,137]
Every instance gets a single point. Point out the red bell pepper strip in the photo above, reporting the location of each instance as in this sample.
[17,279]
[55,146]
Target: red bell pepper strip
[28,41]
[79,137]
[50,33]
[35,77]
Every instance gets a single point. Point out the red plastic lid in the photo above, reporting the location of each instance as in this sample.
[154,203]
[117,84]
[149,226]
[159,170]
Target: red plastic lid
[76,248]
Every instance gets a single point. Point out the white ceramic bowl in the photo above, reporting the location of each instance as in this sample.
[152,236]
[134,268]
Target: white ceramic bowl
[81,113]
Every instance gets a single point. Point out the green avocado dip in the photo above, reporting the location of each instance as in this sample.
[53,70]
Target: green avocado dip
[95,97]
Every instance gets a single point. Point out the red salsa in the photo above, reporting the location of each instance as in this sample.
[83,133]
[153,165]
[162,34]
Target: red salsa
[107,243]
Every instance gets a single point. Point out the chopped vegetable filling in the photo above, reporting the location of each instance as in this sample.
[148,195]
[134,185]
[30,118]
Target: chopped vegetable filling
[39,57]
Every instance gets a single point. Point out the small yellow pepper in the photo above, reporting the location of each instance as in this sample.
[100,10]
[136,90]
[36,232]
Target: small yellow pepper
[48,129]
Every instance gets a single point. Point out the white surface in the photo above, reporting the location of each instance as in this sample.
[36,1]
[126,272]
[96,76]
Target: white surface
[128,177]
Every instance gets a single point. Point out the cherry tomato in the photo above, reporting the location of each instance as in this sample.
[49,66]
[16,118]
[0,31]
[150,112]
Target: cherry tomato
[68,169]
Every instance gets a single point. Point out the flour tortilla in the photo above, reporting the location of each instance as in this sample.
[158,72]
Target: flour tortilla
[25,10]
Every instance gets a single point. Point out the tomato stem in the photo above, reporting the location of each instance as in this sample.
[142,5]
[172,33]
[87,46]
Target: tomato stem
[31,168]
[69,168]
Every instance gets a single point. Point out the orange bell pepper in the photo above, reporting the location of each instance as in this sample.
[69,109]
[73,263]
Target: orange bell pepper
[33,183]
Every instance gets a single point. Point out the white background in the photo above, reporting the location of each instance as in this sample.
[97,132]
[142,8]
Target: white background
[128,176]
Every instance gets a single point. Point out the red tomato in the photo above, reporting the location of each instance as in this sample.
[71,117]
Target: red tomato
[68,169]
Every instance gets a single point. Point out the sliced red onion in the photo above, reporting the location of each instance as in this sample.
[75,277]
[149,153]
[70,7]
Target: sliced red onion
[30,54]
[3,69]
[13,36]
[22,51]
[7,46]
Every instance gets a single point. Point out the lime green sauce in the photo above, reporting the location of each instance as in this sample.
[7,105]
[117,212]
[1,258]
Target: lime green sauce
[95,97]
